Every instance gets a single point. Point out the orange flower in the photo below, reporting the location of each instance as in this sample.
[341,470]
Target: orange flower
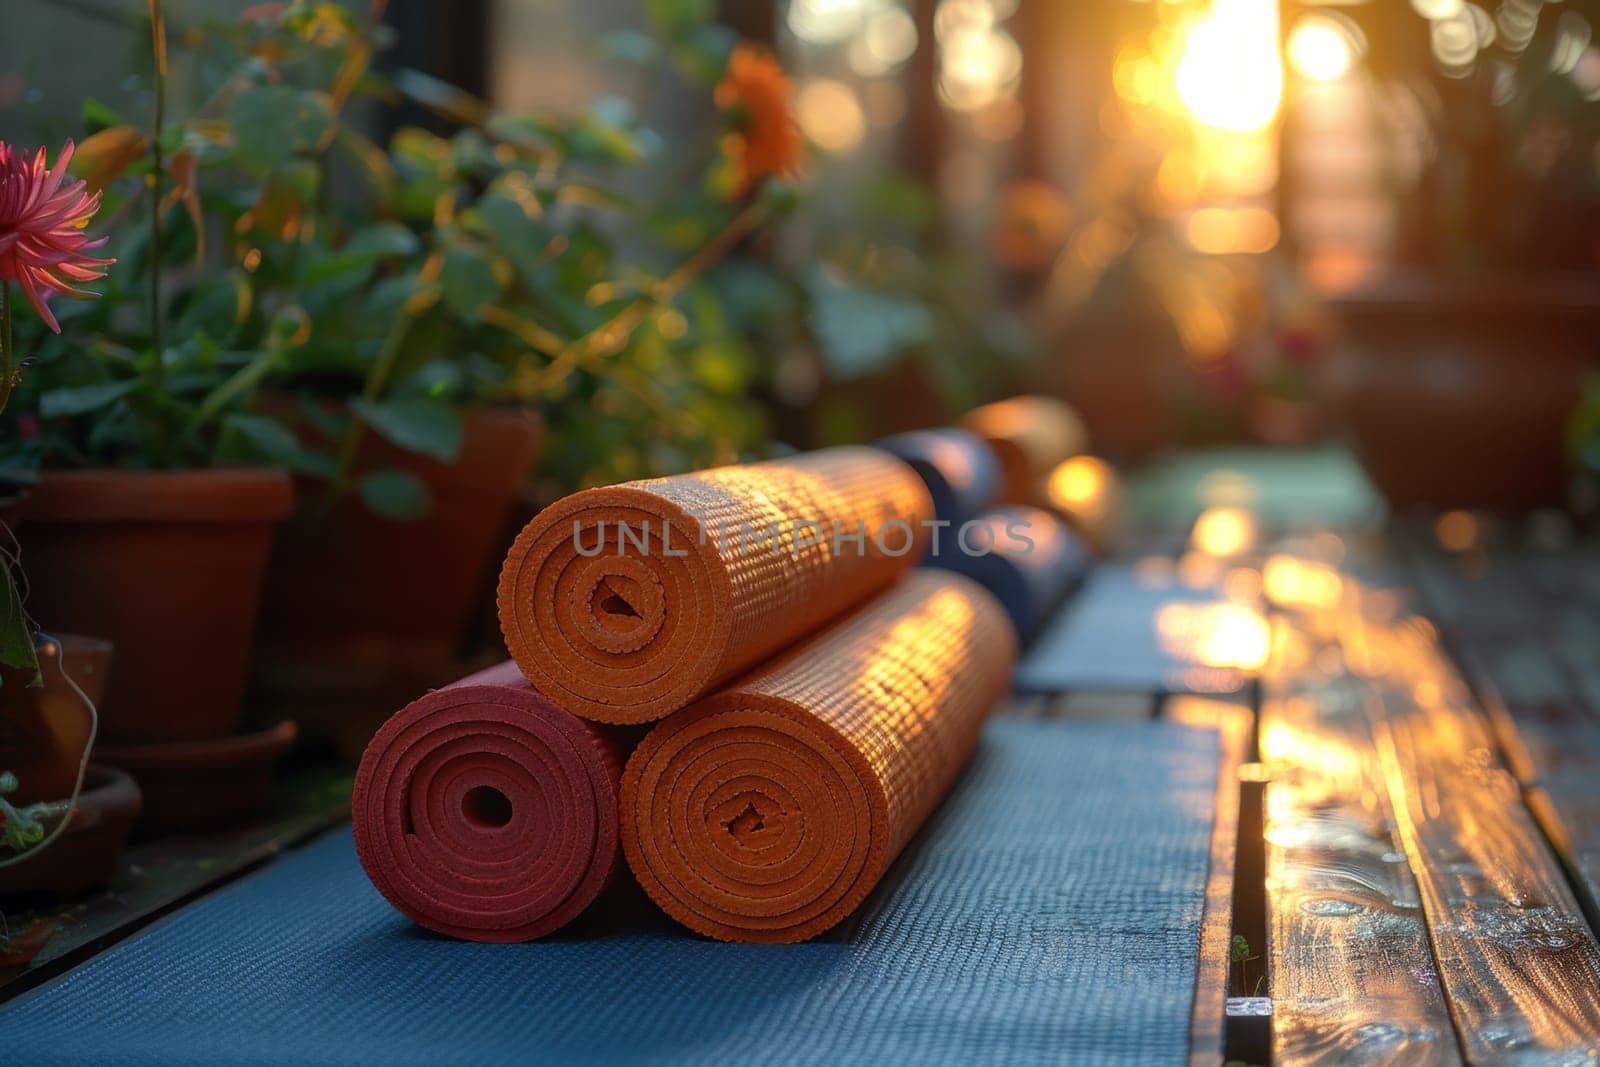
[766,141]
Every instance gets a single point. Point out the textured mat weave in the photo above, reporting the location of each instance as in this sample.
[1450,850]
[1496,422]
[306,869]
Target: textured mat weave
[1050,914]
[1030,435]
[959,468]
[484,811]
[768,811]
[1028,558]
[650,614]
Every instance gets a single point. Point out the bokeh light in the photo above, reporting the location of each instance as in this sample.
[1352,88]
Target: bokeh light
[1230,75]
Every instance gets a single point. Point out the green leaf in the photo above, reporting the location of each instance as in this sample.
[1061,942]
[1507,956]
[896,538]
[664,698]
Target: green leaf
[272,123]
[677,17]
[16,633]
[97,115]
[415,423]
[78,399]
[395,494]
[273,441]
[366,246]
[467,281]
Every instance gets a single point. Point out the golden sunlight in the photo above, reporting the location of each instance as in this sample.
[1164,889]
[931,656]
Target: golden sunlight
[1230,75]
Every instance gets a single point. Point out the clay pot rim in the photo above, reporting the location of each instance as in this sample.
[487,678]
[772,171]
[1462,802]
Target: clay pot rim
[180,756]
[111,494]
[106,788]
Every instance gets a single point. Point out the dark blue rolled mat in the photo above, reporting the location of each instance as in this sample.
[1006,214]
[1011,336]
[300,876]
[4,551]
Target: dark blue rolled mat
[960,469]
[1029,558]
[1050,912]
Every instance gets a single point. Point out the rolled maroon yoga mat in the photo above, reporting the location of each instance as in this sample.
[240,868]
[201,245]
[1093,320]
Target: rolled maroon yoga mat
[485,812]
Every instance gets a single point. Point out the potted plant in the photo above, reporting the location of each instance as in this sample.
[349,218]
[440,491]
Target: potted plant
[148,524]
[1467,356]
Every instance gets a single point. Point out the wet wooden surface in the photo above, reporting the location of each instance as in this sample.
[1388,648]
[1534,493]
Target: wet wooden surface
[1518,961]
[1526,629]
[1352,978]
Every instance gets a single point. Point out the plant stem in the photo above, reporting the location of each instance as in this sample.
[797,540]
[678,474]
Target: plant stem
[158,33]
[616,331]
[8,362]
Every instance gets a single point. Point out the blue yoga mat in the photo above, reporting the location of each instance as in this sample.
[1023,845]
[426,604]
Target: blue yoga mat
[1107,639]
[959,468]
[1049,913]
[1027,557]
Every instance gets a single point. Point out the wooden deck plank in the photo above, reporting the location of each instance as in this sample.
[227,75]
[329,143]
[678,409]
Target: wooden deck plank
[1124,706]
[1526,634]
[1519,965]
[1351,977]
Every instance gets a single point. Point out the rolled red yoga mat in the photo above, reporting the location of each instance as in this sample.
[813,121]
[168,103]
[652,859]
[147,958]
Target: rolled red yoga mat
[623,604]
[485,812]
[768,811]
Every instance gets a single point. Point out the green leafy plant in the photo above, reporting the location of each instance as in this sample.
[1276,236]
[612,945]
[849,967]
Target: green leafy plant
[304,285]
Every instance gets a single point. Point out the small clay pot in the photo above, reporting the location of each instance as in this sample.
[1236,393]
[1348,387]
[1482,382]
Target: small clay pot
[166,565]
[202,785]
[44,728]
[85,855]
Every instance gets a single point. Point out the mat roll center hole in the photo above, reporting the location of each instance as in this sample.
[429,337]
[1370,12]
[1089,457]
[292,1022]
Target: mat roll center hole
[610,603]
[757,814]
[486,806]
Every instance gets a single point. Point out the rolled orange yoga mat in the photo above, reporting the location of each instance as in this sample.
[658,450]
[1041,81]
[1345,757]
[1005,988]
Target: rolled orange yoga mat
[485,812]
[1029,435]
[768,811]
[623,604]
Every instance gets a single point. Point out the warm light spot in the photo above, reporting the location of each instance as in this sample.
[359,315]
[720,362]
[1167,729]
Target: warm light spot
[1298,583]
[1457,530]
[1320,49]
[1215,635]
[1080,483]
[889,39]
[977,66]
[826,21]
[1230,75]
[1219,231]
[1437,9]
[1224,532]
[830,114]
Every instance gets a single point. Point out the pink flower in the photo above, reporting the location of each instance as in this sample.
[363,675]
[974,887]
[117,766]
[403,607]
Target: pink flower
[42,244]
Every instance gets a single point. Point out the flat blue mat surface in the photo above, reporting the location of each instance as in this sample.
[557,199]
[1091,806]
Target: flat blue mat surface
[1050,913]
[1105,640]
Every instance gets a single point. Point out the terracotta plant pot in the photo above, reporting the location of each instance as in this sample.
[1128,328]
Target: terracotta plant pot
[85,855]
[43,728]
[1459,392]
[202,785]
[359,608]
[167,566]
